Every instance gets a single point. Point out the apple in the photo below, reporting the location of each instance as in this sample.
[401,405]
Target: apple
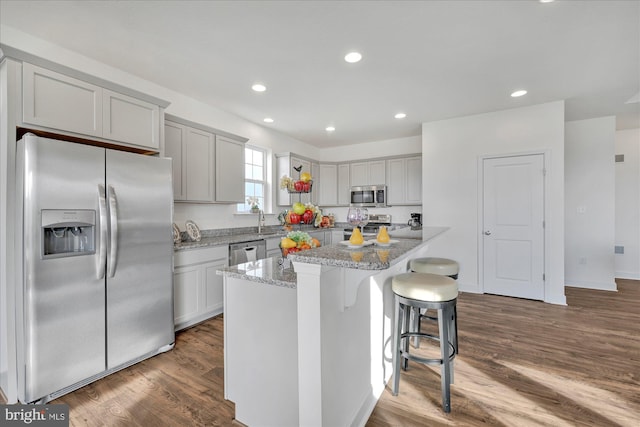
[295,218]
[298,185]
[298,208]
[307,216]
[306,186]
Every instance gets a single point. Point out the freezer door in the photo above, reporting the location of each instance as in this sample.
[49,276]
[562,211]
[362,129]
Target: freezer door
[63,338]
[140,256]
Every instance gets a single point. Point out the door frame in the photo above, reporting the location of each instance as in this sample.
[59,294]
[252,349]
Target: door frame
[546,159]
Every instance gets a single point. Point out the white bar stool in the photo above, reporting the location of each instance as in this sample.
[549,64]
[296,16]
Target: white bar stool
[442,267]
[425,291]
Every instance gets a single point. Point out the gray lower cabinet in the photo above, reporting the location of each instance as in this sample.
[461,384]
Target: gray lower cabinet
[207,168]
[57,101]
[273,247]
[197,289]
[336,236]
[320,235]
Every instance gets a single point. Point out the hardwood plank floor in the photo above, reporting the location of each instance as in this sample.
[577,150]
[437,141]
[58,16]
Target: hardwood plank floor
[521,363]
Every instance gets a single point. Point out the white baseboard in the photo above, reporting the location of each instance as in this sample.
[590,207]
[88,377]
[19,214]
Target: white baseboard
[632,275]
[603,286]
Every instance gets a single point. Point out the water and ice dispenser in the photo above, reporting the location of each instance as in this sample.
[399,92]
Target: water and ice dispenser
[68,232]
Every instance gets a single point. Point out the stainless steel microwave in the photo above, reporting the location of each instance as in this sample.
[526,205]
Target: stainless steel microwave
[369,196]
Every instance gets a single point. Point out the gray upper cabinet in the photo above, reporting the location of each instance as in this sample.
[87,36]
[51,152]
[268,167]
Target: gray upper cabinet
[199,163]
[57,101]
[404,181]
[317,183]
[285,164]
[207,167]
[344,184]
[175,147]
[229,175]
[368,172]
[328,189]
[130,120]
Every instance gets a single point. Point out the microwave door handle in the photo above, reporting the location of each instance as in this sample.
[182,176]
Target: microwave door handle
[102,249]
[113,223]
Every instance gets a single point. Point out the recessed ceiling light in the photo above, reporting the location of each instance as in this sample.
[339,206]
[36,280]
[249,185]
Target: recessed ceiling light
[259,87]
[518,93]
[330,128]
[352,57]
[400,116]
[268,120]
[545,1]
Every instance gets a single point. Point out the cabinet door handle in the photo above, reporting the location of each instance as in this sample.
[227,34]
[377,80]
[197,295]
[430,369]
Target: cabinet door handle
[487,233]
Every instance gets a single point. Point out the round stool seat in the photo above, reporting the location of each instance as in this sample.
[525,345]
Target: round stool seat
[425,287]
[441,266]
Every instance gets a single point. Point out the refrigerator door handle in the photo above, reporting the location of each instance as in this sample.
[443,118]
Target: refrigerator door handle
[102,250]
[113,222]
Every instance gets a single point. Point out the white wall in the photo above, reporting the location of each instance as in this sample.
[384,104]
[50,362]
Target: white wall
[590,203]
[450,152]
[365,150]
[627,202]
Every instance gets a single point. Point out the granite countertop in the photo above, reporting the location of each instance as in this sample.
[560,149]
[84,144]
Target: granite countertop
[246,234]
[371,257]
[368,257]
[266,270]
[219,237]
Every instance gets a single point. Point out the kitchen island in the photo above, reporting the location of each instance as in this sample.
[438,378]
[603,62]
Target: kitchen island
[312,347]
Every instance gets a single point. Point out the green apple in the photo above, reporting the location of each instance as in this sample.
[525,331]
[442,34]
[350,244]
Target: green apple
[298,208]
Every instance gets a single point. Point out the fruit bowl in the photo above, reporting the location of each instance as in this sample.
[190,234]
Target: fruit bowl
[297,241]
[296,187]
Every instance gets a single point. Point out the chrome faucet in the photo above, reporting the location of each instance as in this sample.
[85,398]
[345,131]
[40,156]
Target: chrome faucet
[260,221]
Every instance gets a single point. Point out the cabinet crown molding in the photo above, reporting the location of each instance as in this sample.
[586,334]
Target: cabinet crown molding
[19,55]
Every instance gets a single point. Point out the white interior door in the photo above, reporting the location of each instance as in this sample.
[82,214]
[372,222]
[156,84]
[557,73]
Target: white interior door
[513,226]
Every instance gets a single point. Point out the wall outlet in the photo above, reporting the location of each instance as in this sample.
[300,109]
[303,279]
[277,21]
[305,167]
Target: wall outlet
[619,249]
[581,209]
[582,261]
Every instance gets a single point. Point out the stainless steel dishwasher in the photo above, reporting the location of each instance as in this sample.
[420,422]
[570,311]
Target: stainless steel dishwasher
[247,251]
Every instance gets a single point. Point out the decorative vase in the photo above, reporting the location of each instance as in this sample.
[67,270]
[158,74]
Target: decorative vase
[255,209]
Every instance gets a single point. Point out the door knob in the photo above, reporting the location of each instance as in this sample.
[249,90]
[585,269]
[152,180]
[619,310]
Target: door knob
[487,233]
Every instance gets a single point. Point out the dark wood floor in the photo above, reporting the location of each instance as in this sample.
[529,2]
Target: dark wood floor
[521,363]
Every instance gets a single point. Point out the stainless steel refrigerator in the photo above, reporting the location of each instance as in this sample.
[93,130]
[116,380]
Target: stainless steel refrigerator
[97,291]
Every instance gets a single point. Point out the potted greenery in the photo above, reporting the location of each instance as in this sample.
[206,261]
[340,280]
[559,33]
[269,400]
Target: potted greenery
[253,202]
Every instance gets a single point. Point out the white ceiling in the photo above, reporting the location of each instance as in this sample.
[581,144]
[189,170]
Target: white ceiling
[430,59]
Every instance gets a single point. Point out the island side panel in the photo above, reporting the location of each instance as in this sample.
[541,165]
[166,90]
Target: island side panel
[261,352]
[345,343]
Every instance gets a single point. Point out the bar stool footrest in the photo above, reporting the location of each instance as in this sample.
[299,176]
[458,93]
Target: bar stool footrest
[426,361]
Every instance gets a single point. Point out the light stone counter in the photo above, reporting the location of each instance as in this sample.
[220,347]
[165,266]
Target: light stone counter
[267,271]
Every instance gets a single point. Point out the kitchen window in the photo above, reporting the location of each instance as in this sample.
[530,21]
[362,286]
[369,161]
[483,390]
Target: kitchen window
[254,178]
